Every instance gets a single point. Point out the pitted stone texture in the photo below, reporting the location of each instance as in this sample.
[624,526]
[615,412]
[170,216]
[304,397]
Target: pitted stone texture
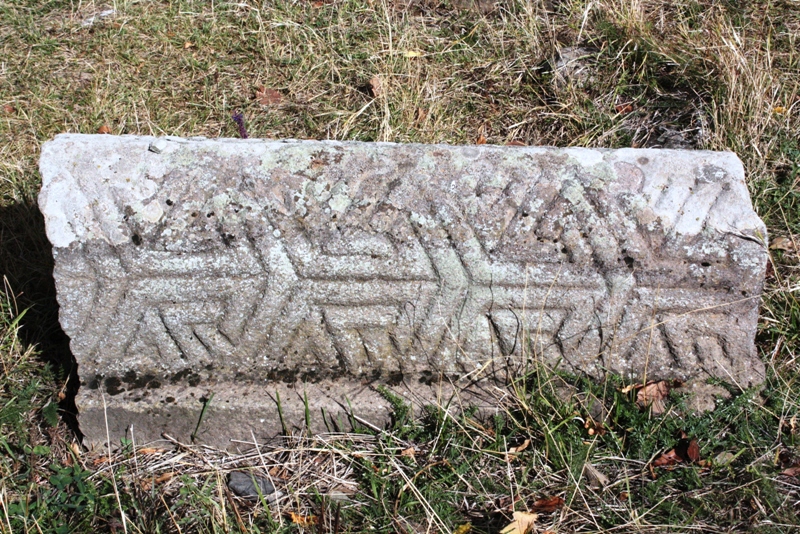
[214,264]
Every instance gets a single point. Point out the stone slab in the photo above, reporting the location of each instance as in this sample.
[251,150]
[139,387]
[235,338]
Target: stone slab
[314,270]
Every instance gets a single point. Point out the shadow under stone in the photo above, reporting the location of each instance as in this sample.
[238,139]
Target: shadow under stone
[26,262]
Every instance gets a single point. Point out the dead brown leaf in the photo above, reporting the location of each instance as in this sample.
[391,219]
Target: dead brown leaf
[268,97]
[693,451]
[279,472]
[164,477]
[595,477]
[782,243]
[8,108]
[376,88]
[188,44]
[150,450]
[409,452]
[653,394]
[481,140]
[520,448]
[104,129]
[548,504]
[148,483]
[792,472]
[515,143]
[686,451]
[304,521]
[667,459]
[101,460]
[624,109]
[522,524]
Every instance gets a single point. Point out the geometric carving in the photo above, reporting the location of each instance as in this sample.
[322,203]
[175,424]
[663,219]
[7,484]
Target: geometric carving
[232,261]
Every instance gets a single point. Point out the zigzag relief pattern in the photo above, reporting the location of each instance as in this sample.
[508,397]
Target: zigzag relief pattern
[389,273]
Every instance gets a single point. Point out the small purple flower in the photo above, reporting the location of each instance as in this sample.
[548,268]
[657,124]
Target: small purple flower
[238,118]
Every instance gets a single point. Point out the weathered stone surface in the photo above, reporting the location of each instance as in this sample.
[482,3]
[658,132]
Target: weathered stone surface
[242,268]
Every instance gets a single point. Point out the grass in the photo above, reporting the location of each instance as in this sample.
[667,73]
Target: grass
[720,75]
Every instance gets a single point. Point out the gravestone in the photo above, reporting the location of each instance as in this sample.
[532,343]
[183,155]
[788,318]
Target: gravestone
[231,277]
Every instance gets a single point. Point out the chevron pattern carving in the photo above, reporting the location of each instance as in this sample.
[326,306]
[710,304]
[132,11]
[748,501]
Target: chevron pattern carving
[249,260]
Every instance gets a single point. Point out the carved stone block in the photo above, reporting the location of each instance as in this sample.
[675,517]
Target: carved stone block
[188,268]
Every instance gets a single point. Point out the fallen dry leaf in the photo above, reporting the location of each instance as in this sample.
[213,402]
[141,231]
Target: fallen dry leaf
[279,472]
[76,449]
[268,97]
[409,452]
[303,521]
[164,477]
[686,451]
[624,108]
[653,394]
[481,140]
[724,458]
[187,44]
[147,484]
[792,472]
[782,243]
[520,448]
[101,460]
[522,524]
[150,450]
[693,451]
[104,129]
[595,477]
[515,143]
[667,459]
[548,504]
[8,108]
[787,460]
[376,86]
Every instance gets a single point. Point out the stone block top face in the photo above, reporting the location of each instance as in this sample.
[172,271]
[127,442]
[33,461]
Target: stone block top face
[195,261]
